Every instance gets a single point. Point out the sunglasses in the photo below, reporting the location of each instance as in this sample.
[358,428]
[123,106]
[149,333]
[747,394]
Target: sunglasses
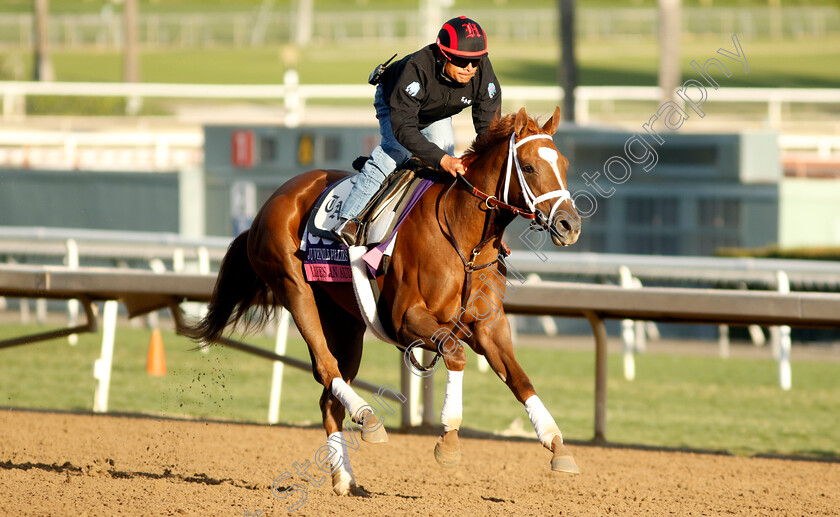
[461,62]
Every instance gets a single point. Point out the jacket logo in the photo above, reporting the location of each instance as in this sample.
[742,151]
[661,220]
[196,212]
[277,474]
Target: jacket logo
[466,100]
[413,89]
[491,90]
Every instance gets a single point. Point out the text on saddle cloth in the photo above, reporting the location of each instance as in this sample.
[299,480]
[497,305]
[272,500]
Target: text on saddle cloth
[323,261]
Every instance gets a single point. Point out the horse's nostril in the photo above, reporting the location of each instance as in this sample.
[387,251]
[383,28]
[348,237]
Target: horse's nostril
[565,224]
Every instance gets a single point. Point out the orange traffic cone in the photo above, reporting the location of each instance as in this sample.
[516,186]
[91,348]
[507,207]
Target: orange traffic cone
[155,362]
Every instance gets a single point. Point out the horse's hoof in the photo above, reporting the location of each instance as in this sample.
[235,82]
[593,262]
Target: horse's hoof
[373,429]
[343,483]
[562,460]
[448,449]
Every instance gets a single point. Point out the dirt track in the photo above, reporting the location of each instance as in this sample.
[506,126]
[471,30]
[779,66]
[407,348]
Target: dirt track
[68,464]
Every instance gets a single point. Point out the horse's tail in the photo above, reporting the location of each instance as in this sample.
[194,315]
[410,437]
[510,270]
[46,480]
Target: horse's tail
[237,289]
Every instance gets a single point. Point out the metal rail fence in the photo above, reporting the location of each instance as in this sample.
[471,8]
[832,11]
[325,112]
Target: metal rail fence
[143,291]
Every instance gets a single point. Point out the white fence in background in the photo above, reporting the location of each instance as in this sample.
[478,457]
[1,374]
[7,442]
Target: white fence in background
[394,27]
[142,151]
[295,96]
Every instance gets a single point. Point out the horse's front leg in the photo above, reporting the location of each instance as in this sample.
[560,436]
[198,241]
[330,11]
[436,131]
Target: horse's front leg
[496,345]
[419,324]
[448,448]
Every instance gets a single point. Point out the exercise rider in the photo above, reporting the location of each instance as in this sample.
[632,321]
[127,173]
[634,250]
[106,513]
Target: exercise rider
[415,100]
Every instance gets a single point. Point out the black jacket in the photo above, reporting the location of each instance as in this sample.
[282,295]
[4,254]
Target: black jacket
[419,93]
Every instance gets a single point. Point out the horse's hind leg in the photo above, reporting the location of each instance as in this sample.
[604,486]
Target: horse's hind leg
[300,299]
[344,335]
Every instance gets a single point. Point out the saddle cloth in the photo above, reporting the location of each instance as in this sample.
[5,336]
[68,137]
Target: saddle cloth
[328,261]
[381,217]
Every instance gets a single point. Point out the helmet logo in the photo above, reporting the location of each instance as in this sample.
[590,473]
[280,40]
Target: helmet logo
[472,30]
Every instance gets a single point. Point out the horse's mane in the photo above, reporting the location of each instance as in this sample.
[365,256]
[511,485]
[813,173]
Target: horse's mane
[500,130]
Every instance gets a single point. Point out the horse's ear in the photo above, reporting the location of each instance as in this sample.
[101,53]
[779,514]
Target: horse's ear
[551,126]
[520,122]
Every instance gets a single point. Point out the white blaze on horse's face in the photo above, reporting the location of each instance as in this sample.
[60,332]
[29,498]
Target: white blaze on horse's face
[552,157]
[564,223]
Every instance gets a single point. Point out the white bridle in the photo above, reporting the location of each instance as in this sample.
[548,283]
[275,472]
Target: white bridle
[531,200]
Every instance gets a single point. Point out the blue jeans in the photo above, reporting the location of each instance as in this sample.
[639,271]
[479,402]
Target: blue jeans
[388,155]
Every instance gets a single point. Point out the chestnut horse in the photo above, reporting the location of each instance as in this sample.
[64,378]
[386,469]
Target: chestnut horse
[512,169]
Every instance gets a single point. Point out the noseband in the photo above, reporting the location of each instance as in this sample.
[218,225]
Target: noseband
[530,199]
[537,217]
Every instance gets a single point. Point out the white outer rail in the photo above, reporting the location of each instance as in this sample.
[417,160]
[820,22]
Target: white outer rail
[296,94]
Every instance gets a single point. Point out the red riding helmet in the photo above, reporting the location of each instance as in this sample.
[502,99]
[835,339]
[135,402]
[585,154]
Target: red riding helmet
[462,37]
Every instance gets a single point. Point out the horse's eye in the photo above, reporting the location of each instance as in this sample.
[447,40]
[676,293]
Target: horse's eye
[528,169]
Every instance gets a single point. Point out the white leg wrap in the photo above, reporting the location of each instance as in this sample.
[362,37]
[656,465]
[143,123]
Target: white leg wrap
[452,412]
[340,463]
[344,393]
[543,423]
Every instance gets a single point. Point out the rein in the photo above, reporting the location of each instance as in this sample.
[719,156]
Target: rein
[493,204]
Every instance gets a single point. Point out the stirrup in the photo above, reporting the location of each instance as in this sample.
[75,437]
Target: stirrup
[345,231]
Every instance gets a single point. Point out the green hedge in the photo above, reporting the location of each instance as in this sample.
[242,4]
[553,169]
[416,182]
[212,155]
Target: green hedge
[61,105]
[88,106]
[815,253]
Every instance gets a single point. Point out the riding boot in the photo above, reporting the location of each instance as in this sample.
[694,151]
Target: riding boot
[345,231]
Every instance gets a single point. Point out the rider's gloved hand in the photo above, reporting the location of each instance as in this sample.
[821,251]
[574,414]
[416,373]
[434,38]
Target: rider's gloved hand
[452,165]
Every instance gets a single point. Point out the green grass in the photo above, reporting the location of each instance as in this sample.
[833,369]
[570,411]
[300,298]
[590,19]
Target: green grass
[675,401]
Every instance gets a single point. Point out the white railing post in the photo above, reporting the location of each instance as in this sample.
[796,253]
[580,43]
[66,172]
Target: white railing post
[428,392]
[756,334]
[292,101]
[277,371]
[158,267]
[784,337]
[482,364]
[102,366]
[410,412]
[628,331]
[409,383]
[416,385]
[641,326]
[723,341]
[72,261]
[547,322]
[203,260]
[774,113]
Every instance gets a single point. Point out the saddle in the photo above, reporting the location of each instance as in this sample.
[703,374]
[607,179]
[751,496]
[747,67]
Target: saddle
[380,216]
[328,261]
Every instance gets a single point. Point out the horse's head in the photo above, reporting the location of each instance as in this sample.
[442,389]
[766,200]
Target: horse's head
[535,176]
